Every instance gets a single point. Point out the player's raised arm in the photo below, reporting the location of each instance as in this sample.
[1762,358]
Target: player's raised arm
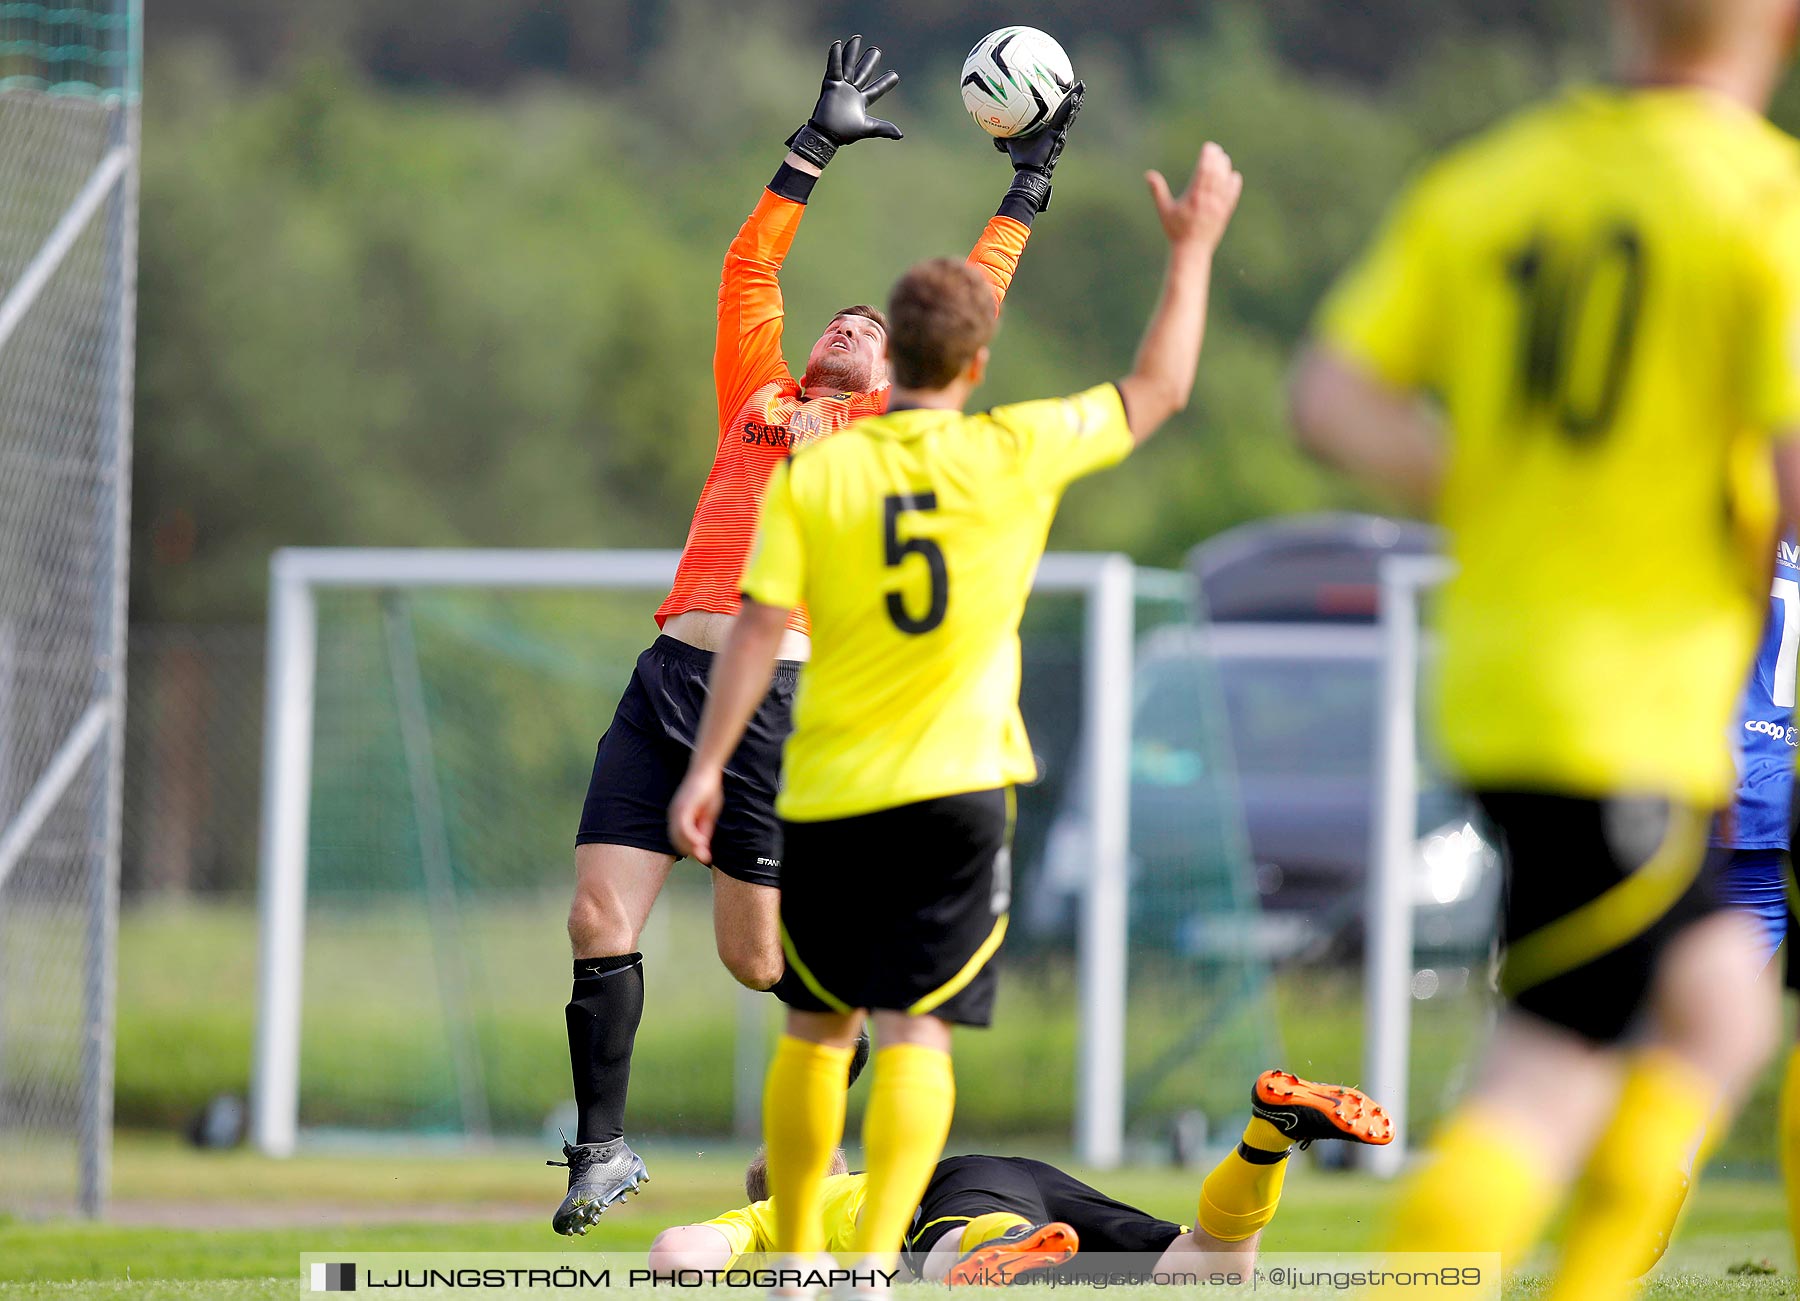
[747,349]
[1162,378]
[1034,158]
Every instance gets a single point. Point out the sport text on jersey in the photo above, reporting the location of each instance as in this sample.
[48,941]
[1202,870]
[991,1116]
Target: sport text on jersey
[804,426]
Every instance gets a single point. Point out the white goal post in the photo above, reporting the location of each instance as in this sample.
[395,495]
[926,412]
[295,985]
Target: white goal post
[1109,583]
[1388,952]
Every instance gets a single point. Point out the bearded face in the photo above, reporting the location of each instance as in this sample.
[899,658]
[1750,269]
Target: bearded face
[851,357]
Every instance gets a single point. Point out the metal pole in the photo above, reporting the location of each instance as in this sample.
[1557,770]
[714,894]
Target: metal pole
[1388,955]
[100,985]
[1105,922]
[286,802]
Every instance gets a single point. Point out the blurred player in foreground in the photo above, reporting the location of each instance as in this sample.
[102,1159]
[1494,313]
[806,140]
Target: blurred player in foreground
[987,1220]
[623,854]
[913,538]
[1603,293]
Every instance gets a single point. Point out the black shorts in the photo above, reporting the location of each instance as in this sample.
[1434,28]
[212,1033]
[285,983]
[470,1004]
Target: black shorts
[1595,891]
[900,910]
[965,1187]
[644,755]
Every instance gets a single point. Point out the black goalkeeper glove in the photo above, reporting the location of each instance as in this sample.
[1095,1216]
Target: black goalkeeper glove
[841,116]
[1034,156]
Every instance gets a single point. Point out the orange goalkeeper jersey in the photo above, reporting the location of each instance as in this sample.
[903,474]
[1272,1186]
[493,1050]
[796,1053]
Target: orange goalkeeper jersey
[762,414]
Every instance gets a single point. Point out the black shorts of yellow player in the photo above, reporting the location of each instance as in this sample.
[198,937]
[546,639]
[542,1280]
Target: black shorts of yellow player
[1596,889]
[902,909]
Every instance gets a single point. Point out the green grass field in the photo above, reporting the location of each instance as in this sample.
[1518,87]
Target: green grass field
[233,1225]
[230,1225]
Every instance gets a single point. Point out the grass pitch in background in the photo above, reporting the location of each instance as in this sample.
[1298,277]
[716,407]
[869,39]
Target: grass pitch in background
[228,1227]
[187,980]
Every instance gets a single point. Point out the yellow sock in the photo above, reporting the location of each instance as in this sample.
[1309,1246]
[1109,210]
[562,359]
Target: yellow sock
[904,1130]
[1788,1136]
[1239,1197]
[803,1123]
[985,1228]
[1676,1193]
[1624,1195]
[1482,1189]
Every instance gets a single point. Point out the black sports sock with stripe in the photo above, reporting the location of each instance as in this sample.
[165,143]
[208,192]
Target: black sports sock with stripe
[603,1015]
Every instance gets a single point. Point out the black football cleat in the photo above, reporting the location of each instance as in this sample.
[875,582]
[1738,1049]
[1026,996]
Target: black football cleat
[600,1176]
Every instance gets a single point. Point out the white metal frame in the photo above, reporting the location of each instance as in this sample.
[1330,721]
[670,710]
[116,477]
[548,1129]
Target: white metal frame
[1388,954]
[1107,581]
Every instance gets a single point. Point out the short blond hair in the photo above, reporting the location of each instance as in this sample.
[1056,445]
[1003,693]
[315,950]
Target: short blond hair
[756,1174]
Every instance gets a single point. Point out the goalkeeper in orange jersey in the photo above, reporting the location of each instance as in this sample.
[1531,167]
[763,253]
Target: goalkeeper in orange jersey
[988,1220]
[623,852]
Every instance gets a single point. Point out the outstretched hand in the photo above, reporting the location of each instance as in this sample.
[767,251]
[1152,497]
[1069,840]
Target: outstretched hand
[850,86]
[1200,214]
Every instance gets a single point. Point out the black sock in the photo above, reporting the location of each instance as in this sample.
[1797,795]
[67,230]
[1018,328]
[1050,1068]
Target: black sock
[603,1015]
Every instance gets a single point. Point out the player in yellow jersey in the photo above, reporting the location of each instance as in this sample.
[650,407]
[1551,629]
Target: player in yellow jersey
[988,1220]
[912,538]
[1602,295]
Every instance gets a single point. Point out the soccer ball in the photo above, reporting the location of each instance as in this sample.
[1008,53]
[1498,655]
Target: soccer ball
[1014,79]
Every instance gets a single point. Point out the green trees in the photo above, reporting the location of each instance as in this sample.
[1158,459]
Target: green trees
[381,315]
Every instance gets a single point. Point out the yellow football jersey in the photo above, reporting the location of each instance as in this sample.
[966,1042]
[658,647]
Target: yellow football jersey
[1604,294]
[913,538]
[751,1229]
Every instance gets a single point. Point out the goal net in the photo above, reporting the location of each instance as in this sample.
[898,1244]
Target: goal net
[432,721]
[68,142]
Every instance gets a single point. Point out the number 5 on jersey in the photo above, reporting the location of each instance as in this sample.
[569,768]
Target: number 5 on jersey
[898,549]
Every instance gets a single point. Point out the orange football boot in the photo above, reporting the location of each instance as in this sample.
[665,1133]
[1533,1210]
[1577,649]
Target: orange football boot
[1305,1111]
[1020,1251]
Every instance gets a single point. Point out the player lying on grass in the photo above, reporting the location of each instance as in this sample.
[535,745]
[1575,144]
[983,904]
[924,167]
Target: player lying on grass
[1007,1219]
[623,854]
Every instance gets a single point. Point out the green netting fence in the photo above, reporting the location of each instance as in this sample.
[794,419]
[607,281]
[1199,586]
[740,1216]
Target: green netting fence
[68,47]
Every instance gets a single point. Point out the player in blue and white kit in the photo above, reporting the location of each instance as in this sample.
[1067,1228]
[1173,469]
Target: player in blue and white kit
[1752,838]
[1755,828]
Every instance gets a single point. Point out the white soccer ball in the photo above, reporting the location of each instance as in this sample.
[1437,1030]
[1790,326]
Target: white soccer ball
[1014,79]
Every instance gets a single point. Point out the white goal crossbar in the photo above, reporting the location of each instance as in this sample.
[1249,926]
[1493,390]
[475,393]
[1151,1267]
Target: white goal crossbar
[1110,584]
